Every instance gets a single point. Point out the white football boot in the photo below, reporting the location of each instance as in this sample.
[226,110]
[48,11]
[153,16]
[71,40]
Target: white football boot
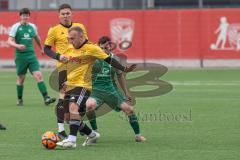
[91,140]
[66,143]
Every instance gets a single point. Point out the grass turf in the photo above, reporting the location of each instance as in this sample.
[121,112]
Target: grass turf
[198,120]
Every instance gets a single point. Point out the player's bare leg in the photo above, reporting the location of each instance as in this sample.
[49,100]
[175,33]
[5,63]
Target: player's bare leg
[91,104]
[76,123]
[133,120]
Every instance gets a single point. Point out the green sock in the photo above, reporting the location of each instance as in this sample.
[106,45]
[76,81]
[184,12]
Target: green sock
[92,119]
[19,91]
[42,88]
[133,120]
[93,123]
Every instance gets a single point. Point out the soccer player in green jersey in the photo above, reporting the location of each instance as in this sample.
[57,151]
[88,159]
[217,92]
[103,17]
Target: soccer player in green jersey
[106,91]
[20,37]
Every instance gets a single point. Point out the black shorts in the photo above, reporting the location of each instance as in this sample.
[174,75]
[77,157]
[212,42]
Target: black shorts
[62,78]
[78,95]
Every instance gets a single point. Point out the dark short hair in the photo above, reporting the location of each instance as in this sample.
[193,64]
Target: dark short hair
[24,11]
[103,40]
[76,28]
[63,6]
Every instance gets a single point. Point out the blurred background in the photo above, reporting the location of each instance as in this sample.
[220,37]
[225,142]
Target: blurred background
[175,33]
[116,4]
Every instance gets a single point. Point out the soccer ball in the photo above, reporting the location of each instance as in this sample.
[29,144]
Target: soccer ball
[49,140]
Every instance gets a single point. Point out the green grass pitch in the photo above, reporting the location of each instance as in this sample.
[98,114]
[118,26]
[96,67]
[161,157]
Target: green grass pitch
[198,120]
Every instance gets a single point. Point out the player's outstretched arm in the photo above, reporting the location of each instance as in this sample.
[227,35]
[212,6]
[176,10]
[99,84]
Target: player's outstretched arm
[48,51]
[113,62]
[130,68]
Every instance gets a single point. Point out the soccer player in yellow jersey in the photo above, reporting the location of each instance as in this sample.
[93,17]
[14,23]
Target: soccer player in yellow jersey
[57,37]
[81,57]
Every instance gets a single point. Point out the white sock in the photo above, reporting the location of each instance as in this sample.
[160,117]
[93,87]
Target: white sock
[60,127]
[72,138]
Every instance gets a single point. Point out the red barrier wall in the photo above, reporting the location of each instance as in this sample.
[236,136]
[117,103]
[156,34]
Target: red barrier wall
[155,34]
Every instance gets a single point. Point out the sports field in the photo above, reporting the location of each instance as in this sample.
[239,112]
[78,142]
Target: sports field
[198,120]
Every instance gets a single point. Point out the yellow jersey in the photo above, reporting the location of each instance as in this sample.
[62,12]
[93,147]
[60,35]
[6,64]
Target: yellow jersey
[58,37]
[79,66]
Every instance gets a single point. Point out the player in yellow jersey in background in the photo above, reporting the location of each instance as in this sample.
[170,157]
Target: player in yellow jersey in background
[80,59]
[57,38]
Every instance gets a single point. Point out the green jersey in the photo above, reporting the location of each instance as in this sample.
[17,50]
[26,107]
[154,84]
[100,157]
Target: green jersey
[23,34]
[103,74]
[105,89]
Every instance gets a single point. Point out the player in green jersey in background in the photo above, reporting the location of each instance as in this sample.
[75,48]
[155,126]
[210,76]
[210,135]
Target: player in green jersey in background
[106,91]
[20,37]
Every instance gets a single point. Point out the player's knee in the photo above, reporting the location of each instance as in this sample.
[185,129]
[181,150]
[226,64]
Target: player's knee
[74,114]
[38,76]
[130,111]
[91,104]
[127,109]
[73,108]
[20,80]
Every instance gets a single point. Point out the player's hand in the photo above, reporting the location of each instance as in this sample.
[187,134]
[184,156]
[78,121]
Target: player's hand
[128,96]
[63,59]
[130,68]
[21,47]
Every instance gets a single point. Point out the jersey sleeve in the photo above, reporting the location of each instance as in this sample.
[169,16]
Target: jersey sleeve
[99,53]
[13,30]
[50,37]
